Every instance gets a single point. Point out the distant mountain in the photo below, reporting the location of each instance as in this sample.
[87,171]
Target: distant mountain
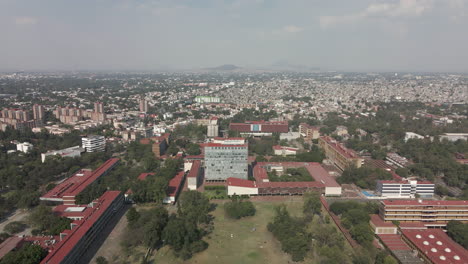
[285,65]
[225,67]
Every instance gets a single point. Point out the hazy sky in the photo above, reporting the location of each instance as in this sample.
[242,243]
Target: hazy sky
[353,35]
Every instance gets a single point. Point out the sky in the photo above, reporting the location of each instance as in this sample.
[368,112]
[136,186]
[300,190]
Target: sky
[151,35]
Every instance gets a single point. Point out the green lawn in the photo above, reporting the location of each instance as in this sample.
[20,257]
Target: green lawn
[246,244]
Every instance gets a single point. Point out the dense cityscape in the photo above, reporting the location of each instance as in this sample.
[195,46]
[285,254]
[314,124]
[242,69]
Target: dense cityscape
[233,132]
[168,168]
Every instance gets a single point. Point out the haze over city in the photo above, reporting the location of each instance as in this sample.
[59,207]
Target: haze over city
[361,35]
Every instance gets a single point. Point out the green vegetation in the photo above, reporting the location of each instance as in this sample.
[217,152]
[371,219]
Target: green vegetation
[46,222]
[239,208]
[27,254]
[312,205]
[190,131]
[215,192]
[291,175]
[291,233]
[364,177]
[15,227]
[355,217]
[458,231]
[182,231]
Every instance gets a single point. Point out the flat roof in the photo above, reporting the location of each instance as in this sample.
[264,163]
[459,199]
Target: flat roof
[223,145]
[193,173]
[79,181]
[175,184]
[231,181]
[405,182]
[262,122]
[379,222]
[348,153]
[9,244]
[424,203]
[393,242]
[436,245]
[63,248]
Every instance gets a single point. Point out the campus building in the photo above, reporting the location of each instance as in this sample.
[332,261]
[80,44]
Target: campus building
[67,190]
[341,156]
[309,132]
[284,151]
[71,152]
[75,242]
[260,128]
[428,212]
[225,159]
[94,143]
[321,181]
[194,174]
[405,189]
[159,144]
[434,246]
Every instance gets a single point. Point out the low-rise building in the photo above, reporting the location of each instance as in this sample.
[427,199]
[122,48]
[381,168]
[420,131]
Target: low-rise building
[411,135]
[397,160]
[194,174]
[341,156]
[405,189]
[284,151]
[309,132]
[454,136]
[24,147]
[429,212]
[71,152]
[260,128]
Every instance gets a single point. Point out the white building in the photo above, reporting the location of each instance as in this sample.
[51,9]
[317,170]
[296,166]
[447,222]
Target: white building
[213,127]
[397,160]
[284,151]
[68,152]
[411,135]
[24,147]
[290,135]
[454,136]
[405,189]
[94,143]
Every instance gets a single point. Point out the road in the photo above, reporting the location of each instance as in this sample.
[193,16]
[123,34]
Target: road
[18,215]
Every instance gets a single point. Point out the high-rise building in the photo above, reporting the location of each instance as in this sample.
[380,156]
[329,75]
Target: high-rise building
[38,112]
[213,128]
[98,107]
[143,105]
[225,160]
[94,143]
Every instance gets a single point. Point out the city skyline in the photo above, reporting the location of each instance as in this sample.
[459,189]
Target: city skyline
[365,35]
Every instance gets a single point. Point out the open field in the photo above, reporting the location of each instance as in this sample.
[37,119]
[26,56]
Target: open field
[250,243]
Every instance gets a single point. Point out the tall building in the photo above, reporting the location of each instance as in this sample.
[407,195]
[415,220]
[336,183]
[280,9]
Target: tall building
[16,119]
[69,115]
[98,107]
[38,112]
[225,160]
[143,105]
[428,212]
[94,143]
[341,156]
[260,128]
[213,127]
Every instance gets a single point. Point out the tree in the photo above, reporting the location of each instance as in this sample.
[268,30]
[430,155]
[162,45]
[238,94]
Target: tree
[194,206]
[14,227]
[361,233]
[154,227]
[193,149]
[458,231]
[238,208]
[132,216]
[312,205]
[101,260]
[27,254]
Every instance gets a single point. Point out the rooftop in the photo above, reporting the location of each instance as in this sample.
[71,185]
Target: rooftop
[174,184]
[437,245]
[424,203]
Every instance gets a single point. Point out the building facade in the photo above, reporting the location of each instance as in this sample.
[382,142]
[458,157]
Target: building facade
[94,143]
[309,132]
[405,189]
[223,161]
[428,212]
[260,128]
[341,156]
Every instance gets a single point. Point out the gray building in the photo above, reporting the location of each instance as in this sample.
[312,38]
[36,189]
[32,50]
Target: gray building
[225,160]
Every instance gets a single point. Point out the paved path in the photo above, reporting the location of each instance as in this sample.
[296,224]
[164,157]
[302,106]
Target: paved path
[18,215]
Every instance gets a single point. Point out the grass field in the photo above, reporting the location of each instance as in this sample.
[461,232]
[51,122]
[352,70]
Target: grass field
[246,245]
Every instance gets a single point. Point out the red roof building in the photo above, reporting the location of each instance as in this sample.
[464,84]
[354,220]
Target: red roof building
[341,156]
[74,242]
[67,190]
[260,127]
[174,187]
[435,247]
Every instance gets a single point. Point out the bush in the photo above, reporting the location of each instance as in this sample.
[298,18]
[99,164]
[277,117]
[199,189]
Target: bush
[238,208]
[15,227]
